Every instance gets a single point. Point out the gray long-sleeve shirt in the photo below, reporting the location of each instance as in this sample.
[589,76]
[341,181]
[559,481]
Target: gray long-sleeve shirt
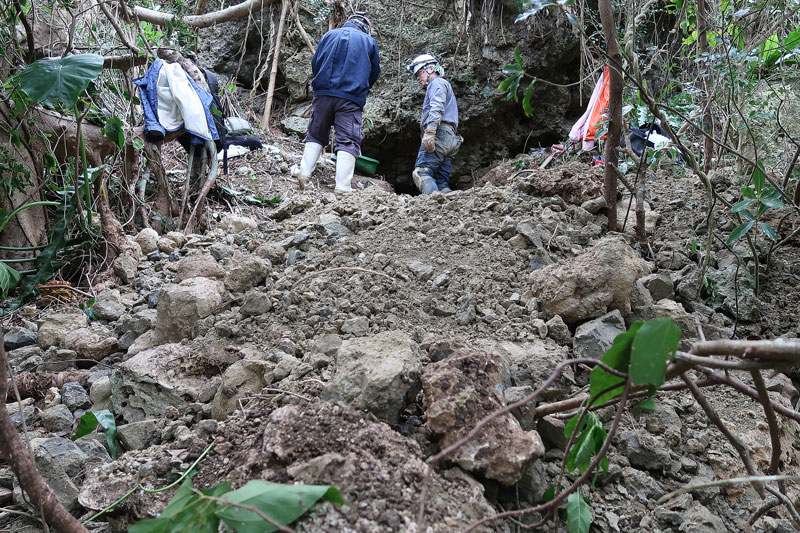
[440,104]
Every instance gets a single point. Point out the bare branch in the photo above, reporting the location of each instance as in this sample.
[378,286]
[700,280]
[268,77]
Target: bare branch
[228,14]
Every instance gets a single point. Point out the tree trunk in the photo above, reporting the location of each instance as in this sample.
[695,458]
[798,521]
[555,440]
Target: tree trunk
[274,72]
[614,58]
[705,101]
[239,11]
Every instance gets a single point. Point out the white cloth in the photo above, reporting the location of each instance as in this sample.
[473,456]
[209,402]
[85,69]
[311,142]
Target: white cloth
[179,106]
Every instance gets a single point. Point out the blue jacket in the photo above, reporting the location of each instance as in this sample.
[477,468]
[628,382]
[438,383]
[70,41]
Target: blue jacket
[154,131]
[346,64]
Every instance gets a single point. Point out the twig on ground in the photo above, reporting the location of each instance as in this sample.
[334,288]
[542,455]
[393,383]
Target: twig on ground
[724,482]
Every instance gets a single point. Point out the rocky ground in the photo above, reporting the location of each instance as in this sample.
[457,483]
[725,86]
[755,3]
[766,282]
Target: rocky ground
[343,341]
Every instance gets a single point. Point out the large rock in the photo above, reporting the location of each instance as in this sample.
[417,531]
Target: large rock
[199,266]
[379,373]
[593,338]
[148,383]
[57,325]
[460,391]
[125,266]
[526,363]
[95,342]
[244,271]
[60,462]
[591,284]
[573,182]
[181,305]
[57,419]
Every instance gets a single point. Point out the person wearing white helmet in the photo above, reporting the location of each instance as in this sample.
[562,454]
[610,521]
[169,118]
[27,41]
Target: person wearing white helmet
[345,67]
[438,124]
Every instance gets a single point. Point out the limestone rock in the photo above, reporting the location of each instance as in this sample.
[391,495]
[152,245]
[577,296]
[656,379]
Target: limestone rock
[125,266]
[558,331]
[140,435]
[660,285]
[181,305]
[379,373]
[57,419]
[199,266]
[244,271]
[240,379]
[17,337]
[421,271]
[734,293]
[74,396]
[108,305]
[461,390]
[57,325]
[255,303]
[237,223]
[60,461]
[148,240]
[591,284]
[593,338]
[95,342]
[148,383]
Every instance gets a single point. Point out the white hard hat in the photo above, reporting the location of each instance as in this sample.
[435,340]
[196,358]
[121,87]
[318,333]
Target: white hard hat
[421,61]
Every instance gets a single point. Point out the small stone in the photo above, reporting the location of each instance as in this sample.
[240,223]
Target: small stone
[358,326]
[207,427]
[465,312]
[74,396]
[540,327]
[17,337]
[125,267]
[558,331]
[595,205]
[100,391]
[148,240]
[255,303]
[237,223]
[57,419]
[154,256]
[420,270]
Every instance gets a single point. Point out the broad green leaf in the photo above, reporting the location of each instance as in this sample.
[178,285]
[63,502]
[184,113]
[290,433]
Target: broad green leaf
[186,512]
[748,192]
[650,351]
[579,516]
[747,215]
[51,81]
[617,357]
[739,232]
[549,494]
[769,231]
[9,277]
[772,203]
[587,445]
[758,179]
[506,83]
[282,503]
[105,419]
[518,57]
[741,206]
[511,68]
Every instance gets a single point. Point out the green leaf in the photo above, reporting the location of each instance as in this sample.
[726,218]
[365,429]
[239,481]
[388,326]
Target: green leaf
[518,57]
[506,83]
[579,516]
[186,512]
[9,277]
[739,232]
[617,357]
[648,405]
[105,419]
[758,179]
[748,192]
[526,101]
[652,345]
[282,503]
[769,231]
[51,81]
[771,202]
[587,445]
[549,494]
[741,206]
[113,131]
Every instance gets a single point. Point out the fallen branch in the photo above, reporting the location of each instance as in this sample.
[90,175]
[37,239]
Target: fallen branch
[784,349]
[39,492]
[724,482]
[228,14]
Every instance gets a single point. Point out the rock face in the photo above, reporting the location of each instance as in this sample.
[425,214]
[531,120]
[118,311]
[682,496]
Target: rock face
[461,390]
[592,284]
[181,305]
[378,373]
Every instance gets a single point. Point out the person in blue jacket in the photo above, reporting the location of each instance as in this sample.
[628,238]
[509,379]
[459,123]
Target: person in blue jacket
[345,66]
[438,126]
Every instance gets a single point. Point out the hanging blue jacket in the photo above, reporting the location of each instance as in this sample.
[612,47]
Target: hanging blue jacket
[154,130]
[346,64]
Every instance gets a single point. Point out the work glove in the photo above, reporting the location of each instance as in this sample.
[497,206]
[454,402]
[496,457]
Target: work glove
[429,139]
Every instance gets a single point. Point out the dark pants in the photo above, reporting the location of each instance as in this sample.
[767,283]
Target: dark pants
[342,114]
[438,162]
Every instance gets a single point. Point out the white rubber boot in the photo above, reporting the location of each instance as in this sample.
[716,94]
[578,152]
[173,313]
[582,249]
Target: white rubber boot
[345,166]
[311,154]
